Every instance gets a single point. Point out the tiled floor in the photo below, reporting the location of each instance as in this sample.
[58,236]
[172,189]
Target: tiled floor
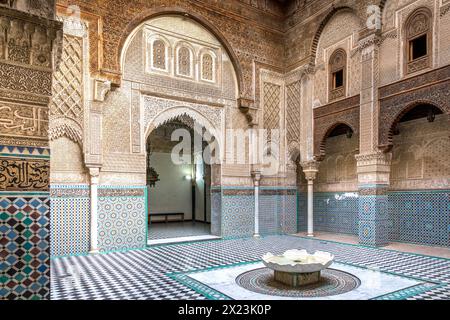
[177,229]
[146,274]
[404,247]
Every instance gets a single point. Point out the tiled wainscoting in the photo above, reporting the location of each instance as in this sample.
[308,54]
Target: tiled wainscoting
[333,212]
[421,217]
[24,223]
[24,245]
[70,219]
[238,212]
[277,211]
[122,218]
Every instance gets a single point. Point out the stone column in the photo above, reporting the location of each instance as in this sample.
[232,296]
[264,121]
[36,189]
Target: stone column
[94,173]
[310,169]
[373,178]
[256,180]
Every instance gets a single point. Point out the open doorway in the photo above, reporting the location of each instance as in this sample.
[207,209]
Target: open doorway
[179,194]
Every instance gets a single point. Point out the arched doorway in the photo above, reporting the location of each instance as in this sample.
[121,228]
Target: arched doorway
[336,189]
[181,165]
[420,176]
[176,72]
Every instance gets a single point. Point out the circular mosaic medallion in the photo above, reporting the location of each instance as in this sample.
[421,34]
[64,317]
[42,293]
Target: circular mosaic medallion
[332,282]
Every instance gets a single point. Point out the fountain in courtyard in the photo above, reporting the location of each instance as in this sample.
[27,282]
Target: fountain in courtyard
[297,268]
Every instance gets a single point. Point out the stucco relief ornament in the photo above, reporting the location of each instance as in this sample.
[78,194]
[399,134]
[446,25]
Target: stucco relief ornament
[18,41]
[101,89]
[159,111]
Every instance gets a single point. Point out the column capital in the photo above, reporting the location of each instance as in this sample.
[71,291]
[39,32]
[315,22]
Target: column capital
[95,174]
[374,168]
[256,175]
[373,158]
[310,168]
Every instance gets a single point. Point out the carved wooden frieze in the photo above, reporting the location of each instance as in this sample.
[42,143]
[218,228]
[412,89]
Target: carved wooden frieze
[24,175]
[395,99]
[326,117]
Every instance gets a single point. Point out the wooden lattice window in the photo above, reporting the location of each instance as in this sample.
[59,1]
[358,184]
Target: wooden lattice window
[184,62]
[208,67]
[159,55]
[338,74]
[418,29]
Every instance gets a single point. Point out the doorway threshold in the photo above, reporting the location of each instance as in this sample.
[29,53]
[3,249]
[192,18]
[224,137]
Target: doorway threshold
[181,240]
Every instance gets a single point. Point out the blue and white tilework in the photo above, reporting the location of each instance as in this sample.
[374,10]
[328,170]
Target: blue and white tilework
[122,218]
[70,219]
[335,212]
[238,215]
[421,217]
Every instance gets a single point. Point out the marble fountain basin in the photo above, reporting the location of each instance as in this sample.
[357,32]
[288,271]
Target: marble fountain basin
[297,268]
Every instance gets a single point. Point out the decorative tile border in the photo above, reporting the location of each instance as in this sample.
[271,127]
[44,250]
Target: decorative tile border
[24,152]
[121,192]
[69,191]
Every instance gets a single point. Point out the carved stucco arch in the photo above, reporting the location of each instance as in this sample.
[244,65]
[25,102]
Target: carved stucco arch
[332,12]
[396,119]
[150,14]
[320,153]
[173,110]
[176,111]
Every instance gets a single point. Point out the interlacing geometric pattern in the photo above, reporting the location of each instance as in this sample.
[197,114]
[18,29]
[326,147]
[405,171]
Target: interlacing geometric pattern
[272,99]
[24,247]
[145,274]
[66,108]
[293,98]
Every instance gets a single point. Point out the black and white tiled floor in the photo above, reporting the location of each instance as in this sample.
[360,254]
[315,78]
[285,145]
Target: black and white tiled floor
[142,274]
[169,230]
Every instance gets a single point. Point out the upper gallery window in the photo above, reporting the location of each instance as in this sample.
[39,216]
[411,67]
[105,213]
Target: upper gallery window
[418,30]
[338,74]
[208,67]
[159,55]
[184,61]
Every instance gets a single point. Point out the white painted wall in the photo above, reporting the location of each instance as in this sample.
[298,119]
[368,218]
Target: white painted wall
[173,192]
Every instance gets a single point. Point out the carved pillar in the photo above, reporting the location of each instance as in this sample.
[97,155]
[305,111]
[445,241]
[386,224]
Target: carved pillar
[28,47]
[310,169]
[93,156]
[306,114]
[373,166]
[373,177]
[94,173]
[256,181]
[369,45]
